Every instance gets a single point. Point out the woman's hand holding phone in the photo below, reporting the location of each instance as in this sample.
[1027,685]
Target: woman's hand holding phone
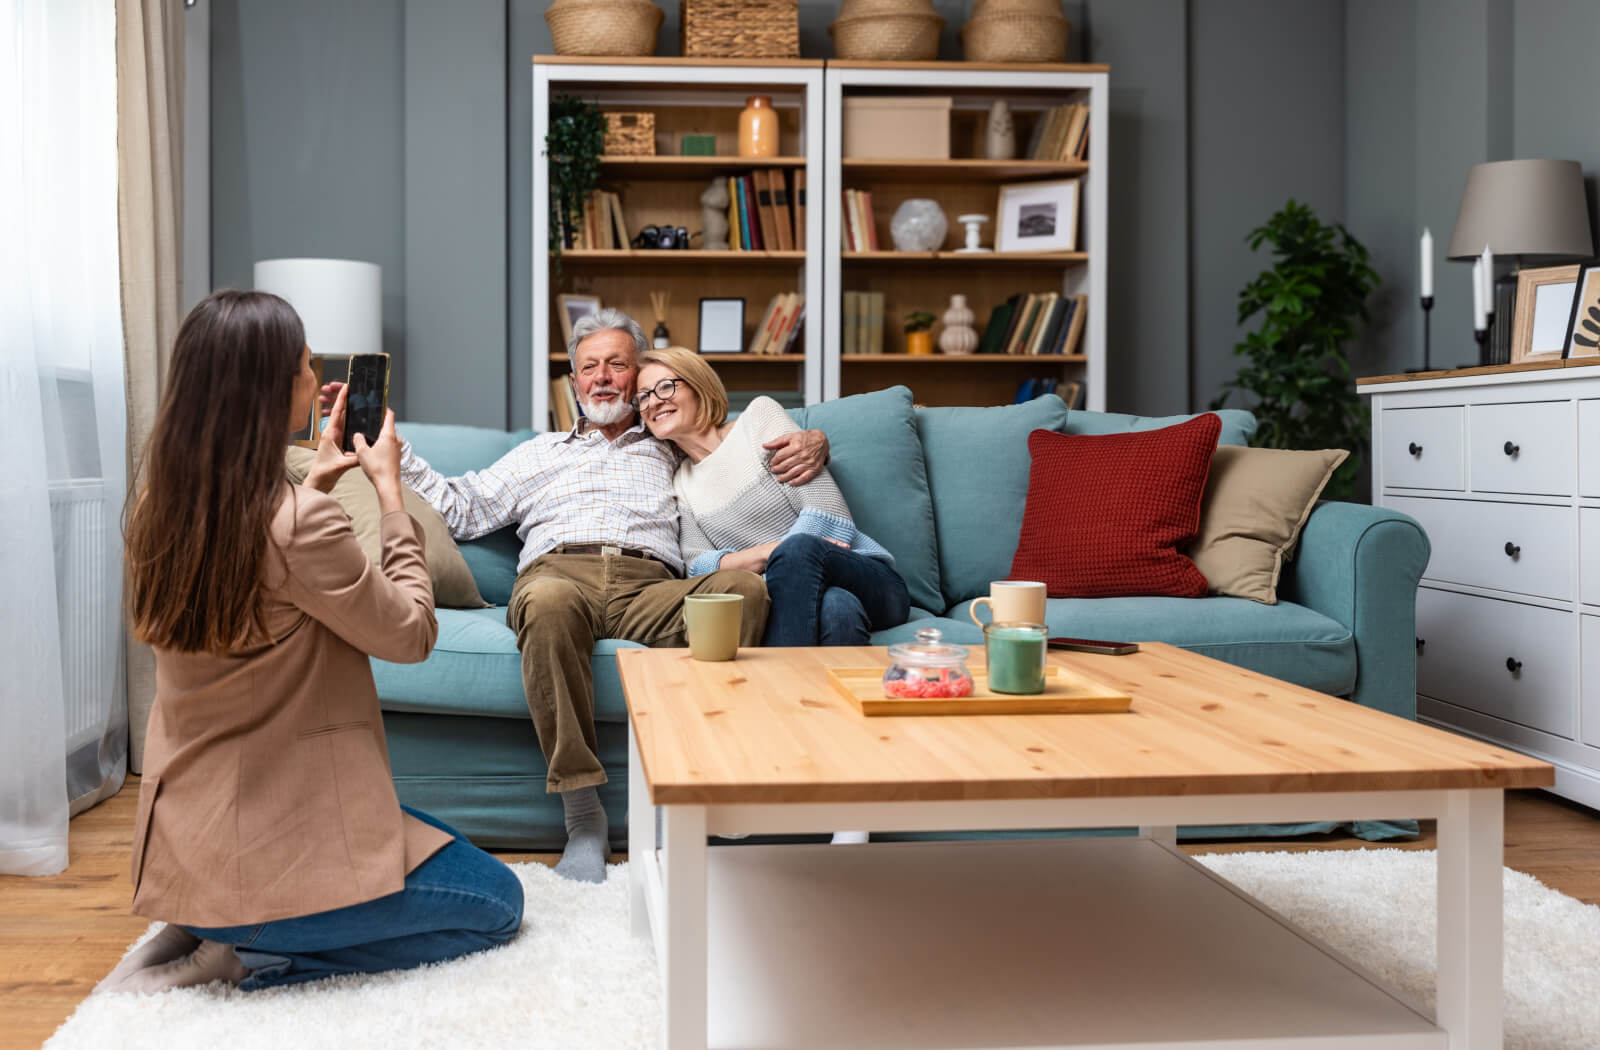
[331,461]
[381,462]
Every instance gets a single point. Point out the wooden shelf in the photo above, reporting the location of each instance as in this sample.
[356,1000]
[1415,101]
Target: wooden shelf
[962,359]
[973,258]
[706,63]
[966,169]
[765,359]
[690,167]
[600,255]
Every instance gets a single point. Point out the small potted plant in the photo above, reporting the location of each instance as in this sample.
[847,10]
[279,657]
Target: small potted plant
[919,332]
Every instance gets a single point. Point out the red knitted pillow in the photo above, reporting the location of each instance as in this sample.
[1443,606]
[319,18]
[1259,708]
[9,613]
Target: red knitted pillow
[1107,514]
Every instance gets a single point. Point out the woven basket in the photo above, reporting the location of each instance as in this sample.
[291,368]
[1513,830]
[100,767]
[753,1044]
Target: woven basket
[630,135]
[610,28]
[739,28]
[1013,36]
[908,36]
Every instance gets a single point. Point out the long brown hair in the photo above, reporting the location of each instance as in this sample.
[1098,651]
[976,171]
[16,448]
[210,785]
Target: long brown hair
[213,475]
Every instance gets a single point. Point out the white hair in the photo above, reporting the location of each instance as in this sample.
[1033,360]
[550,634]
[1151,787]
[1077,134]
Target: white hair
[607,319]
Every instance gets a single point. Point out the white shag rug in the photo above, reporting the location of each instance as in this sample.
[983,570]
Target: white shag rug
[577,979]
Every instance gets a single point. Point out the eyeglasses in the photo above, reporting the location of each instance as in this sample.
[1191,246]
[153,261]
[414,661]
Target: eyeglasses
[663,391]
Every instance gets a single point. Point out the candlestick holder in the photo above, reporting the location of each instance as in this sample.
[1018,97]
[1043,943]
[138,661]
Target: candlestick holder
[1427,334]
[1482,336]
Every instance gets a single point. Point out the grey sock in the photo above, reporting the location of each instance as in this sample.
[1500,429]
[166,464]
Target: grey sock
[584,859]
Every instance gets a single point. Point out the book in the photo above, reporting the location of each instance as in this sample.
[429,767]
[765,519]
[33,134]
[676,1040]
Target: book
[781,211]
[1069,146]
[564,410]
[761,180]
[800,208]
[749,219]
[1048,136]
[851,224]
[1024,326]
[875,322]
[863,323]
[623,241]
[794,328]
[1037,134]
[1083,143]
[735,231]
[1069,391]
[869,221]
[849,327]
[764,326]
[1049,325]
[1075,334]
[1055,344]
[994,332]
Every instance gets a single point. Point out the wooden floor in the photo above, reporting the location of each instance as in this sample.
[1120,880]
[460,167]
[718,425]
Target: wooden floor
[60,935]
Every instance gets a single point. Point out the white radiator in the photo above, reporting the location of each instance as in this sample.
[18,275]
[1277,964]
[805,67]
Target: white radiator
[85,548]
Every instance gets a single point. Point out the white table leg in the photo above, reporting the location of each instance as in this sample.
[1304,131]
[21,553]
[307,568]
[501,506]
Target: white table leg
[683,949]
[1471,920]
[641,838]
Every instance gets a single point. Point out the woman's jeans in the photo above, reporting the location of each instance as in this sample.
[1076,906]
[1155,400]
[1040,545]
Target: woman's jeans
[459,900]
[825,594]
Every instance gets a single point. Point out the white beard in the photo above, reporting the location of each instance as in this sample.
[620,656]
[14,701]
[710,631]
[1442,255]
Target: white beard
[605,413]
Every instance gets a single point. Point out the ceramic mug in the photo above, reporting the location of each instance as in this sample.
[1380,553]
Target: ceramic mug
[712,624]
[1012,601]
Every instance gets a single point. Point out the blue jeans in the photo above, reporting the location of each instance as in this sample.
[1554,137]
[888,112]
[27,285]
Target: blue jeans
[459,900]
[825,594]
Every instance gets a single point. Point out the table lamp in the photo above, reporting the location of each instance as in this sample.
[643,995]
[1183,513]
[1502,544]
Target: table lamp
[340,301]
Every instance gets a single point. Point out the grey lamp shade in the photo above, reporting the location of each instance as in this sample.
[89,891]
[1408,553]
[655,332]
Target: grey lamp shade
[1523,207]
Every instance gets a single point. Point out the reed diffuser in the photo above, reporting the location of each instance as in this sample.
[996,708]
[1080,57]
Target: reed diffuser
[660,338]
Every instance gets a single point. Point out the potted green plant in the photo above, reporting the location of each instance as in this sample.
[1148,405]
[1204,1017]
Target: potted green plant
[1311,301]
[574,143]
[919,332]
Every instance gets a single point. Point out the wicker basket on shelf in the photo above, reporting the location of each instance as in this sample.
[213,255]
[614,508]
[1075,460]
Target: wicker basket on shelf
[630,135]
[739,28]
[607,28]
[1016,31]
[886,31]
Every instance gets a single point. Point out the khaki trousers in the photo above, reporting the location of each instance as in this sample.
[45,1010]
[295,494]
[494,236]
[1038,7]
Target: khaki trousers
[562,603]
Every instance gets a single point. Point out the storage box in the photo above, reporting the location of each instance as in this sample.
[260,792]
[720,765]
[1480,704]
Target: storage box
[915,127]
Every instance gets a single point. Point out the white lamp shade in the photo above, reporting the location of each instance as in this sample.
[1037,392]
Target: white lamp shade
[1522,208]
[339,300]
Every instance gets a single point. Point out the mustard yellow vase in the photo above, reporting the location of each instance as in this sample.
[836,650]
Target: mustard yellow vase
[919,342]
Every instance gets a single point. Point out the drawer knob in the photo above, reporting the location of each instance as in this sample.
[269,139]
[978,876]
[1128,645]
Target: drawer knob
[1422,643]
[1414,448]
[1512,550]
[1512,450]
[1513,664]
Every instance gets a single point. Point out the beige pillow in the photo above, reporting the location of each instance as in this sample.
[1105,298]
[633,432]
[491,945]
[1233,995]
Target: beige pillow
[1256,501]
[453,585]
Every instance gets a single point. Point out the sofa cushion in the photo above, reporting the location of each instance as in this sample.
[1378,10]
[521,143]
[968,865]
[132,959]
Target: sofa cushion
[978,477]
[475,669]
[1286,640]
[876,458]
[1107,515]
[1238,426]
[454,450]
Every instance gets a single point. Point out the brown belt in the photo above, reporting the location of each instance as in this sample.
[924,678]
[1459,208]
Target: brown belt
[603,548]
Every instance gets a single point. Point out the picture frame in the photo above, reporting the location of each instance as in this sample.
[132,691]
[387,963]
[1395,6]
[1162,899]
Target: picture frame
[721,326]
[1038,217]
[1583,319]
[1544,307]
[571,309]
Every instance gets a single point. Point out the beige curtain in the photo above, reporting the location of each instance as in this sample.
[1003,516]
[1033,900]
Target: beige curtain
[149,221]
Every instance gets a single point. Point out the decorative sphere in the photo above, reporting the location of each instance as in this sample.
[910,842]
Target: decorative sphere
[918,226]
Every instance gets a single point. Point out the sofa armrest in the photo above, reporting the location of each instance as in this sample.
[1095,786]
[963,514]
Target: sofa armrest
[1360,565]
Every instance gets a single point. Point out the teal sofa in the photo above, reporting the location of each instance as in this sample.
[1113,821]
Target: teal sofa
[944,490]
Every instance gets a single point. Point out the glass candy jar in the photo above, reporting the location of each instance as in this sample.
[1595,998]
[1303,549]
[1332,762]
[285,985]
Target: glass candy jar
[927,668]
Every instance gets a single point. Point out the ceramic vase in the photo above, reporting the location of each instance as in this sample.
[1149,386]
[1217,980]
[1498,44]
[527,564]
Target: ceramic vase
[1000,135]
[958,337]
[758,128]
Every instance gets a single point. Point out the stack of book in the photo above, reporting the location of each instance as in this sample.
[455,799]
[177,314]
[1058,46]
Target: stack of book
[1062,133]
[863,323]
[602,226]
[763,215]
[780,325]
[564,409]
[1035,323]
[1067,391]
[860,225]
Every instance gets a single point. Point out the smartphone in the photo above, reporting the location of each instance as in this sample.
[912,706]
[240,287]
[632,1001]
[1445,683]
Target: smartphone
[1090,645]
[367,398]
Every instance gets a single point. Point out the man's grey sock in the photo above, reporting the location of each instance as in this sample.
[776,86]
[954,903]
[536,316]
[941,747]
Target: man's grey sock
[584,859]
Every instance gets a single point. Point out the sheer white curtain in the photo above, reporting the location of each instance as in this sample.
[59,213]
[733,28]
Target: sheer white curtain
[63,716]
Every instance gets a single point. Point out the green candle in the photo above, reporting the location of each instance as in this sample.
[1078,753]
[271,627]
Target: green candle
[1016,659]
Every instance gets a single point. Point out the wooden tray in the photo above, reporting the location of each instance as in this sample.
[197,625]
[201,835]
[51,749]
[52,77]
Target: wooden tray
[1064,693]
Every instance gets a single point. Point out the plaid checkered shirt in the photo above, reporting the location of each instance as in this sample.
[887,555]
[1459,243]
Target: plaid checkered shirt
[571,487]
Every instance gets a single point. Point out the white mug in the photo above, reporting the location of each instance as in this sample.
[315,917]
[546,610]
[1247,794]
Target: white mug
[1012,601]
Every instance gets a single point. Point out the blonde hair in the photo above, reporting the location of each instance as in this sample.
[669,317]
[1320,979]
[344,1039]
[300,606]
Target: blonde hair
[689,367]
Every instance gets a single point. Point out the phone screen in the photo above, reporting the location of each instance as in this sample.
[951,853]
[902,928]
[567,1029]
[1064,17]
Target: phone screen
[368,397]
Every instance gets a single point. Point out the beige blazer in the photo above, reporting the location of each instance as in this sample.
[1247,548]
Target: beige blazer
[266,791]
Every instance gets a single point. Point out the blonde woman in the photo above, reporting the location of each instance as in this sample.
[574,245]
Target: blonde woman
[830,583]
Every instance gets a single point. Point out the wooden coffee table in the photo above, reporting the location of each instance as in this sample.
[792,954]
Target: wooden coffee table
[1041,942]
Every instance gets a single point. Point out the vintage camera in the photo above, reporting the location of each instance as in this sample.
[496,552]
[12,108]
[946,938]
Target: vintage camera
[664,237]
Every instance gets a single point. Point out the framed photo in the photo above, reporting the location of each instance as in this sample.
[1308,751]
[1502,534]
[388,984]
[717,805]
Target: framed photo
[1038,217]
[1583,319]
[721,326]
[572,309]
[1544,304]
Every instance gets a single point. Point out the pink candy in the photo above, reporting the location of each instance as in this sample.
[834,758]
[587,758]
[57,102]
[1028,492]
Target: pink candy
[928,688]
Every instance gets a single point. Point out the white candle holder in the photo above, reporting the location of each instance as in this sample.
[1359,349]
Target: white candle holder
[972,222]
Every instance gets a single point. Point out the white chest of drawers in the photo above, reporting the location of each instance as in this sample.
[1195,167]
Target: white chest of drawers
[1502,468]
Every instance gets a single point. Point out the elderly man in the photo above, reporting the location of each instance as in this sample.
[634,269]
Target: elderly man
[598,520]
